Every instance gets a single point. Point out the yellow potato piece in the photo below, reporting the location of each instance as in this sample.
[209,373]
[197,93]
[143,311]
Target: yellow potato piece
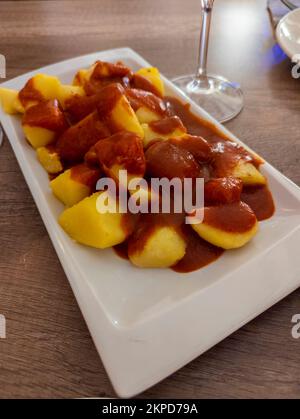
[87,226]
[123,117]
[249,174]
[49,160]
[224,239]
[145,193]
[47,85]
[150,135]
[68,190]
[163,248]
[18,105]
[153,76]
[51,88]
[10,101]
[66,91]
[37,136]
[81,77]
[145,115]
[114,172]
[142,193]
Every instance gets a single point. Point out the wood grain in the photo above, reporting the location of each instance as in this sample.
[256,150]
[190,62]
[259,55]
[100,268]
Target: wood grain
[48,351]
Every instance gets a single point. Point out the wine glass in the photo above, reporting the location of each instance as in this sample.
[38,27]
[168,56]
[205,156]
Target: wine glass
[219,97]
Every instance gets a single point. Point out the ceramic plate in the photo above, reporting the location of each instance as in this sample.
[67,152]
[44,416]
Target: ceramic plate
[148,323]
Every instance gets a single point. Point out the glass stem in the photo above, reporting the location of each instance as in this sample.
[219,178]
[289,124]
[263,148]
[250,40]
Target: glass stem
[204,38]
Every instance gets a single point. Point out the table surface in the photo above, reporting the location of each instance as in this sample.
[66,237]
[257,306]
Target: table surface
[48,351]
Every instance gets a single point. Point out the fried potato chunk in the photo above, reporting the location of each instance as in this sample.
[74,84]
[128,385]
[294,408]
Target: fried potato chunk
[43,122]
[81,77]
[66,92]
[122,151]
[101,74]
[147,106]
[248,173]
[158,247]
[85,224]
[38,137]
[167,160]
[114,108]
[43,87]
[10,102]
[76,141]
[39,88]
[197,146]
[163,129]
[149,79]
[228,226]
[75,184]
[49,159]
[231,159]
[223,191]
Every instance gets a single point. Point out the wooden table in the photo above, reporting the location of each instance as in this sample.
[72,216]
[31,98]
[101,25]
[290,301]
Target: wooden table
[48,351]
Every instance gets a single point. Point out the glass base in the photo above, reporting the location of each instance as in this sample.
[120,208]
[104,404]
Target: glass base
[219,97]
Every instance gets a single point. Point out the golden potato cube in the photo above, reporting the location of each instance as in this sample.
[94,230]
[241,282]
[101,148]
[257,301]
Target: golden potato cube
[18,105]
[150,134]
[47,85]
[151,74]
[147,106]
[224,239]
[114,173]
[39,88]
[240,221]
[49,159]
[66,91]
[81,77]
[37,136]
[249,174]
[163,248]
[144,193]
[123,117]
[68,190]
[145,115]
[43,122]
[10,101]
[87,226]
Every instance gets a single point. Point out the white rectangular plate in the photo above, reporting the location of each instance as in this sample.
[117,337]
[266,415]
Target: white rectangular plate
[148,323]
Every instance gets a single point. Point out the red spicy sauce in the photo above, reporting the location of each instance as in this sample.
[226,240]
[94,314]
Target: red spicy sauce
[30,94]
[260,200]
[124,149]
[76,141]
[167,125]
[219,154]
[167,160]
[139,98]
[105,74]
[232,218]
[141,82]
[46,114]
[86,175]
[199,253]
[148,223]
